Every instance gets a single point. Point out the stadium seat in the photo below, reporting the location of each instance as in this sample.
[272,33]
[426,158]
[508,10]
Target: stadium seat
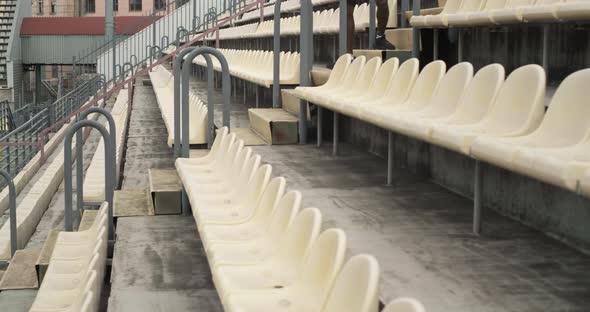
[356,287]
[511,13]
[483,17]
[418,97]
[335,79]
[542,11]
[461,17]
[282,268]
[404,305]
[376,90]
[307,288]
[254,249]
[451,6]
[573,10]
[442,102]
[517,110]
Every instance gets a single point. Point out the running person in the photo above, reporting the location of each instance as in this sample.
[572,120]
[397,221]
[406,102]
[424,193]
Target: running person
[381,42]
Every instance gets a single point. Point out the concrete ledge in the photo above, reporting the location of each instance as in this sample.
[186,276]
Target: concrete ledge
[21,273]
[45,254]
[274,125]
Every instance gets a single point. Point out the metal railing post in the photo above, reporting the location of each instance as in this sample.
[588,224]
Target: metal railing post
[109,171]
[342,35]
[176,76]
[416,31]
[372,11]
[276,69]
[305,62]
[12,211]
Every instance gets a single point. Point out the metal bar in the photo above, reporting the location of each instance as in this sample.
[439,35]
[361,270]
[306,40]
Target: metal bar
[276,69]
[435,43]
[336,133]
[343,22]
[477,189]
[416,31]
[319,126]
[177,98]
[305,62]
[109,171]
[372,11]
[545,60]
[460,46]
[12,208]
[389,157]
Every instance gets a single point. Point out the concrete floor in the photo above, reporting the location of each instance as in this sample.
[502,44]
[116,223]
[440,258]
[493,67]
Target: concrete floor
[421,235]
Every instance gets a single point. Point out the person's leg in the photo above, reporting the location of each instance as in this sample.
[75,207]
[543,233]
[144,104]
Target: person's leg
[382,18]
[350,25]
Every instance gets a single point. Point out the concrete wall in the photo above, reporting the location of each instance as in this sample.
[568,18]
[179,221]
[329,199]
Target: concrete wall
[554,211]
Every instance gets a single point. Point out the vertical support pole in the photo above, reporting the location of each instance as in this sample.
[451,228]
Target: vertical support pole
[305,62]
[343,47]
[372,11]
[154,43]
[389,158]
[79,173]
[336,133]
[319,126]
[545,60]
[276,69]
[404,8]
[257,91]
[109,26]
[435,44]
[12,211]
[477,188]
[416,31]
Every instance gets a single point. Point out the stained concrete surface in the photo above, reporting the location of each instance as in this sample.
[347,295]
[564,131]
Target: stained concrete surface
[159,264]
[421,235]
[17,300]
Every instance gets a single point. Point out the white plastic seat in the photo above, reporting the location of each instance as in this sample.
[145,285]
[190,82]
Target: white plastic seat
[573,10]
[461,17]
[483,17]
[281,268]
[308,290]
[356,287]
[257,248]
[564,125]
[377,89]
[398,91]
[542,11]
[465,7]
[418,98]
[356,86]
[451,6]
[442,103]
[348,81]
[511,13]
[234,211]
[404,305]
[336,77]
[516,110]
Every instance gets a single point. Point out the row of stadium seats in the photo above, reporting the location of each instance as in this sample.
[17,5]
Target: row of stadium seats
[94,179]
[324,22]
[484,116]
[498,12]
[264,251]
[256,66]
[163,84]
[74,278]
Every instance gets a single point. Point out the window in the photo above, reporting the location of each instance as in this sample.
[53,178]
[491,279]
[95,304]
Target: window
[134,5]
[160,4]
[115,5]
[54,71]
[40,7]
[53,7]
[90,6]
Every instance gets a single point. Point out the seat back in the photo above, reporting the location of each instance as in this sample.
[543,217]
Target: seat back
[425,85]
[402,82]
[323,262]
[518,3]
[519,106]
[340,67]
[479,95]
[239,164]
[249,169]
[366,77]
[383,78]
[494,4]
[298,238]
[452,6]
[349,80]
[404,305]
[450,89]
[355,287]
[471,6]
[566,121]
[254,189]
[547,2]
[271,196]
[284,214]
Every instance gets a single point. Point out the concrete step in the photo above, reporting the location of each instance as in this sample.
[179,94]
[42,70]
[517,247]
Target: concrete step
[132,202]
[249,137]
[291,103]
[401,38]
[21,273]
[45,255]
[402,55]
[165,190]
[275,125]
